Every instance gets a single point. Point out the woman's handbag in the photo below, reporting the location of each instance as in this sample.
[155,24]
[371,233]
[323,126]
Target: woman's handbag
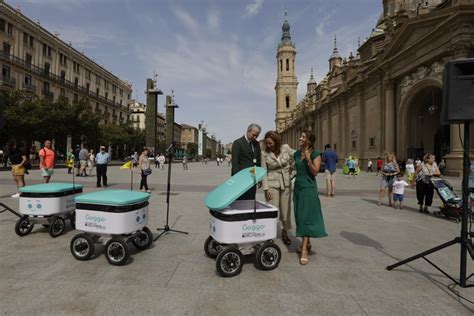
[147,171]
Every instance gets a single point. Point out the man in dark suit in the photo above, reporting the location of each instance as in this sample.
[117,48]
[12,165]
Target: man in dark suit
[245,153]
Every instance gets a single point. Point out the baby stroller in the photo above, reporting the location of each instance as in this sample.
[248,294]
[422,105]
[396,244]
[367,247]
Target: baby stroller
[241,225]
[452,204]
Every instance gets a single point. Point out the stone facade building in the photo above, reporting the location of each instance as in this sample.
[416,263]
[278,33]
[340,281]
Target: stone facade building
[137,114]
[36,61]
[189,135]
[386,98]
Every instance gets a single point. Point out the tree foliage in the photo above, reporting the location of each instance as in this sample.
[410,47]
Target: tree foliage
[192,149]
[27,119]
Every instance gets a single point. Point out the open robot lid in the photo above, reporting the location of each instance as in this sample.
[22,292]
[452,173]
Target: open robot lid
[229,191]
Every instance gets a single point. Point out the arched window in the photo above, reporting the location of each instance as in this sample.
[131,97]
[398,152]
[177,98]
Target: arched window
[287,64]
[281,65]
[287,99]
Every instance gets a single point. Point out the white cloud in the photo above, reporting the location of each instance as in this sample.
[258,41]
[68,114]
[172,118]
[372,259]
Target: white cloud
[253,8]
[213,20]
[186,19]
[62,5]
[83,37]
[322,24]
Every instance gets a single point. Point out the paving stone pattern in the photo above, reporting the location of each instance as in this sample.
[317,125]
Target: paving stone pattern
[346,273]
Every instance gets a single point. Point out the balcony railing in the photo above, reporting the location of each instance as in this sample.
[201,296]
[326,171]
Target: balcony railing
[7,80]
[29,87]
[53,77]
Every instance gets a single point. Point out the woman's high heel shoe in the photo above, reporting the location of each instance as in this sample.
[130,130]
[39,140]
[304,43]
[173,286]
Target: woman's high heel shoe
[304,258]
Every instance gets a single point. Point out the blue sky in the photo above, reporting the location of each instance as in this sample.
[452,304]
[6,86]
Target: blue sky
[218,55]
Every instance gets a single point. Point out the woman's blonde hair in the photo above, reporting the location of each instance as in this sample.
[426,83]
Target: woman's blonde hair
[393,156]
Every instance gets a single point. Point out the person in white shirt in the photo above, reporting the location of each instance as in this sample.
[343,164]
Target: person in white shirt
[369,165]
[162,160]
[399,186]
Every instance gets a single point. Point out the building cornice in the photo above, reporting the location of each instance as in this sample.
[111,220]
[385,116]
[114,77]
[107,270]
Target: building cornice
[36,27]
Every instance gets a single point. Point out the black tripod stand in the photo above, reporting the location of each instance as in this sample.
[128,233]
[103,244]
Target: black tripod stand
[464,239]
[166,229]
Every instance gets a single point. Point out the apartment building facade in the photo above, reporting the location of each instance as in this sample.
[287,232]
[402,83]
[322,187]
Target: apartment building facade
[40,63]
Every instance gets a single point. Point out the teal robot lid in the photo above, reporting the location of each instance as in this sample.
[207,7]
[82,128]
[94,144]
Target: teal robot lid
[113,197]
[56,187]
[229,191]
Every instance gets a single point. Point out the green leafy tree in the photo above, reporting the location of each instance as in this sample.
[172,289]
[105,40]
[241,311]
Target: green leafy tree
[192,149]
[28,119]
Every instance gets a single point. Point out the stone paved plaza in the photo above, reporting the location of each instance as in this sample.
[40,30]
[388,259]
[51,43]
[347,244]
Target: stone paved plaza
[346,275]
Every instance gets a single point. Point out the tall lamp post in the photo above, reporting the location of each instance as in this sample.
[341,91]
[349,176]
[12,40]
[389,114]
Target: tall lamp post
[170,107]
[152,93]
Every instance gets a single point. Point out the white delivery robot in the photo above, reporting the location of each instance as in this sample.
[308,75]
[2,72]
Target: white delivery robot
[49,204]
[241,225]
[119,215]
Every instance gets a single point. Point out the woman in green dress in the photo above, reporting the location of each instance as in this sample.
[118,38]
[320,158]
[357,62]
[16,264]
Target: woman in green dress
[307,207]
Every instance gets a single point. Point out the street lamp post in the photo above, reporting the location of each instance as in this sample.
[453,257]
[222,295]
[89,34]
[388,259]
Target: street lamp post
[152,93]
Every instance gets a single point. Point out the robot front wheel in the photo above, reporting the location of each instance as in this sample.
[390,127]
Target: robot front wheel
[82,247]
[23,226]
[229,262]
[267,256]
[116,252]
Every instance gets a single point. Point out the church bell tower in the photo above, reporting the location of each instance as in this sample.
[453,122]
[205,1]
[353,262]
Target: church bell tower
[286,83]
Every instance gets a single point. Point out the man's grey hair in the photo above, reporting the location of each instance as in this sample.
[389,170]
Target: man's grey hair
[252,126]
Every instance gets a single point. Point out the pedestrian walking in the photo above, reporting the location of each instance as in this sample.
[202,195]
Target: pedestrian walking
[18,159]
[351,164]
[330,159]
[307,207]
[389,170]
[102,159]
[379,165]
[162,160]
[157,161]
[91,161]
[185,162]
[135,159]
[277,160]
[83,157]
[70,161]
[399,186]
[424,187]
[246,153]
[47,161]
[145,170]
[369,165]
